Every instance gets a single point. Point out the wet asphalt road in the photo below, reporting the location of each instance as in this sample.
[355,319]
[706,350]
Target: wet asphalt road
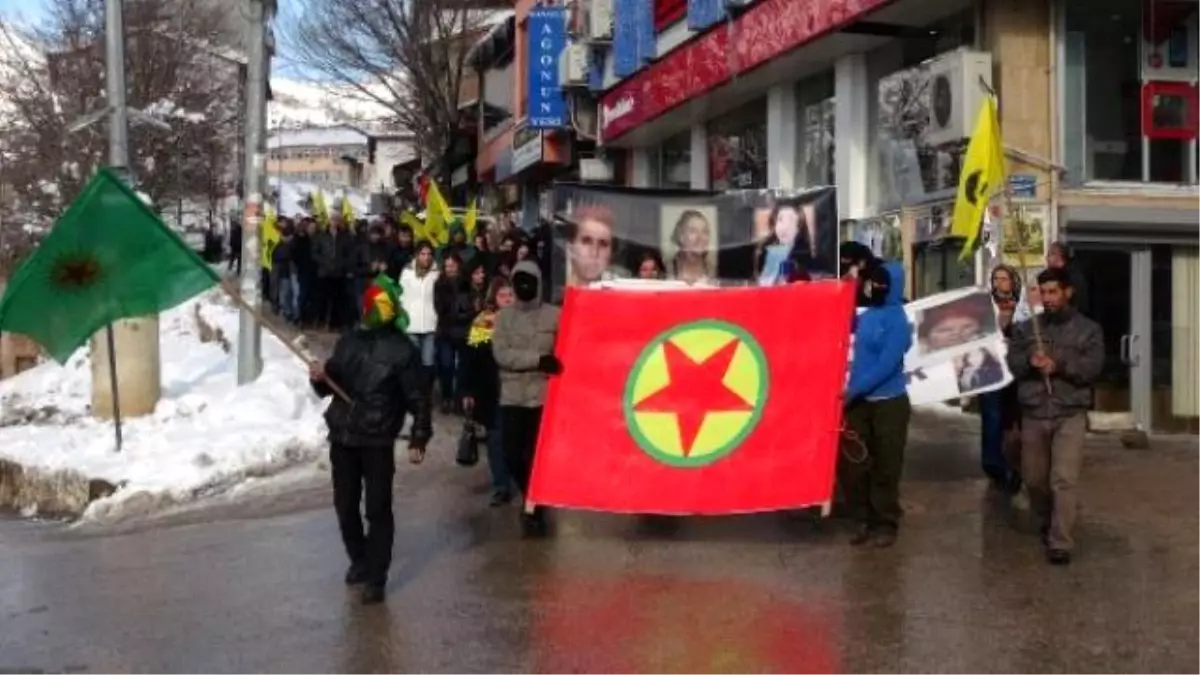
[255,585]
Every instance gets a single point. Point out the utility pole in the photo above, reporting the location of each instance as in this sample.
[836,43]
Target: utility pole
[254,188]
[125,353]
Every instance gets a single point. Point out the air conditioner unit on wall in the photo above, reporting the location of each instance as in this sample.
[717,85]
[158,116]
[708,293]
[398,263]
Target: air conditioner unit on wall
[573,65]
[955,93]
[600,20]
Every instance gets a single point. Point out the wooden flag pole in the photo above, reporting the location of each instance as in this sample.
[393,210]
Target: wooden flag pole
[112,381]
[1018,220]
[287,342]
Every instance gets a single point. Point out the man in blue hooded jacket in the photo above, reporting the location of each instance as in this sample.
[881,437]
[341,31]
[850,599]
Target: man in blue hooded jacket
[877,406]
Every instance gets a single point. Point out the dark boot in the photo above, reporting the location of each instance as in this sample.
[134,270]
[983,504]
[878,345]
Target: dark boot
[357,574]
[1057,556]
[862,534]
[373,593]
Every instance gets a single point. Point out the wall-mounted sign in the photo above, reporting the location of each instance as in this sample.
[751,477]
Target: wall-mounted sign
[1022,185]
[546,30]
[526,148]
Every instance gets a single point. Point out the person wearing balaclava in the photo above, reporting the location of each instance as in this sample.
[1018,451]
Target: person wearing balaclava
[379,368]
[877,406]
[523,345]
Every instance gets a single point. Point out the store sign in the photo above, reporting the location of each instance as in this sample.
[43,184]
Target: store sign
[1022,185]
[615,111]
[547,32]
[526,148]
[765,31]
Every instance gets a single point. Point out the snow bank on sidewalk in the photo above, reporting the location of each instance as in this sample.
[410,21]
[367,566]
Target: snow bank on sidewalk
[206,434]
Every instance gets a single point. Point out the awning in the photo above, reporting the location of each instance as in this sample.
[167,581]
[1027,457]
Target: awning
[495,45]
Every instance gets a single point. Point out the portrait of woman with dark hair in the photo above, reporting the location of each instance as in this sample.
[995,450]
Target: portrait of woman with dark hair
[792,238]
[956,323]
[648,264]
[977,370]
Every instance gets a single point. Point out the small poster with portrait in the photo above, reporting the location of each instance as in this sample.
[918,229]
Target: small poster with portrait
[688,241]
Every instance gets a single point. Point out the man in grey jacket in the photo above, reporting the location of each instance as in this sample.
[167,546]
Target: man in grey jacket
[1054,385]
[523,344]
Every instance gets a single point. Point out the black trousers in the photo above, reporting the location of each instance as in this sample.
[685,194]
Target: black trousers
[354,468]
[872,486]
[519,431]
[330,296]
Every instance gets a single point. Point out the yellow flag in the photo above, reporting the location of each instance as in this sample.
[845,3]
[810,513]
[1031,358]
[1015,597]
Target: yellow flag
[434,201]
[469,221]
[270,237]
[320,211]
[347,211]
[436,229]
[417,227]
[982,176]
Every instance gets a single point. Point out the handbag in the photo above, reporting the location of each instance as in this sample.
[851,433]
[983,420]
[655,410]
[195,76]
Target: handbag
[468,445]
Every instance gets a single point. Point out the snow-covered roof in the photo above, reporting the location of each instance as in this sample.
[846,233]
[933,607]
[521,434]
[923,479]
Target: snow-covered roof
[317,137]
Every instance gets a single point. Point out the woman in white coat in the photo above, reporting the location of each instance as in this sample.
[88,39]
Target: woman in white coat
[417,281]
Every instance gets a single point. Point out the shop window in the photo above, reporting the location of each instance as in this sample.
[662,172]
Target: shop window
[737,148]
[1119,57]
[667,12]
[905,167]
[815,107]
[674,162]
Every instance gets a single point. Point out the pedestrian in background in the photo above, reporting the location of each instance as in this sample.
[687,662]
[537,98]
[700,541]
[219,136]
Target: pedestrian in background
[418,281]
[379,369]
[480,386]
[306,270]
[452,303]
[523,344]
[283,272]
[1054,385]
[999,411]
[329,255]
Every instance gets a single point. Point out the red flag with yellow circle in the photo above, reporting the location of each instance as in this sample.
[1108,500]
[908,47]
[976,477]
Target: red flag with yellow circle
[696,402]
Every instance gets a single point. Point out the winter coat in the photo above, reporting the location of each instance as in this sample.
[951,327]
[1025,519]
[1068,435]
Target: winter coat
[452,302]
[302,256]
[401,257]
[882,336]
[524,333]
[332,253]
[365,254]
[1076,345]
[479,375]
[417,299]
[282,259]
[380,370]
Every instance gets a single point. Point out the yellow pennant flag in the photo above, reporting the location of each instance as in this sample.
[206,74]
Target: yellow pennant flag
[470,220]
[270,237]
[347,211]
[320,211]
[983,175]
[434,201]
[415,224]
[436,229]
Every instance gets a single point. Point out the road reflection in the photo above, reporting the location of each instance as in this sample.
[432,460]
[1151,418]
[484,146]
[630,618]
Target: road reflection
[662,624]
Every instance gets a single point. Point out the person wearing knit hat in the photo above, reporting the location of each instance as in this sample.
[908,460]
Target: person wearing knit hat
[380,371]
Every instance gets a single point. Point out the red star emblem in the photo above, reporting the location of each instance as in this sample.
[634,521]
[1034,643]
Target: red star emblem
[694,390]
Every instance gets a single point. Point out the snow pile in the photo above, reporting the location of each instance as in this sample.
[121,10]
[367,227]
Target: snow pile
[206,435]
[297,103]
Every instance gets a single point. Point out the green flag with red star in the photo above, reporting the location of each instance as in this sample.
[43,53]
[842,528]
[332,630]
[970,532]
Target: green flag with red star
[108,257]
[696,401]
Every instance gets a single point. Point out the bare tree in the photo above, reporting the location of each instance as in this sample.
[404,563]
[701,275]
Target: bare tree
[52,74]
[408,56]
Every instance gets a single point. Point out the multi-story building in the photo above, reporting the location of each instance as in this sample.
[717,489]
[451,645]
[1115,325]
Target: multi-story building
[1098,107]
[331,156]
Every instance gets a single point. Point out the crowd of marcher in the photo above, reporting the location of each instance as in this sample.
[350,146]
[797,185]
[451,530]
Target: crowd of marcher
[468,320]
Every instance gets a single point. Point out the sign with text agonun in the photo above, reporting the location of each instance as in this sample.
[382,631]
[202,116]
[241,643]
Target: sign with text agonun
[547,31]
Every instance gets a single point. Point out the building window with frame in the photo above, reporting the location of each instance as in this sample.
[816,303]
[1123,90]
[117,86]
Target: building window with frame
[737,148]
[905,168]
[1128,90]
[673,163]
[816,123]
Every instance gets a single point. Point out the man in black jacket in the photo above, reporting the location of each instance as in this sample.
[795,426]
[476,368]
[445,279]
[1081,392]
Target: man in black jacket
[380,371]
[1054,384]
